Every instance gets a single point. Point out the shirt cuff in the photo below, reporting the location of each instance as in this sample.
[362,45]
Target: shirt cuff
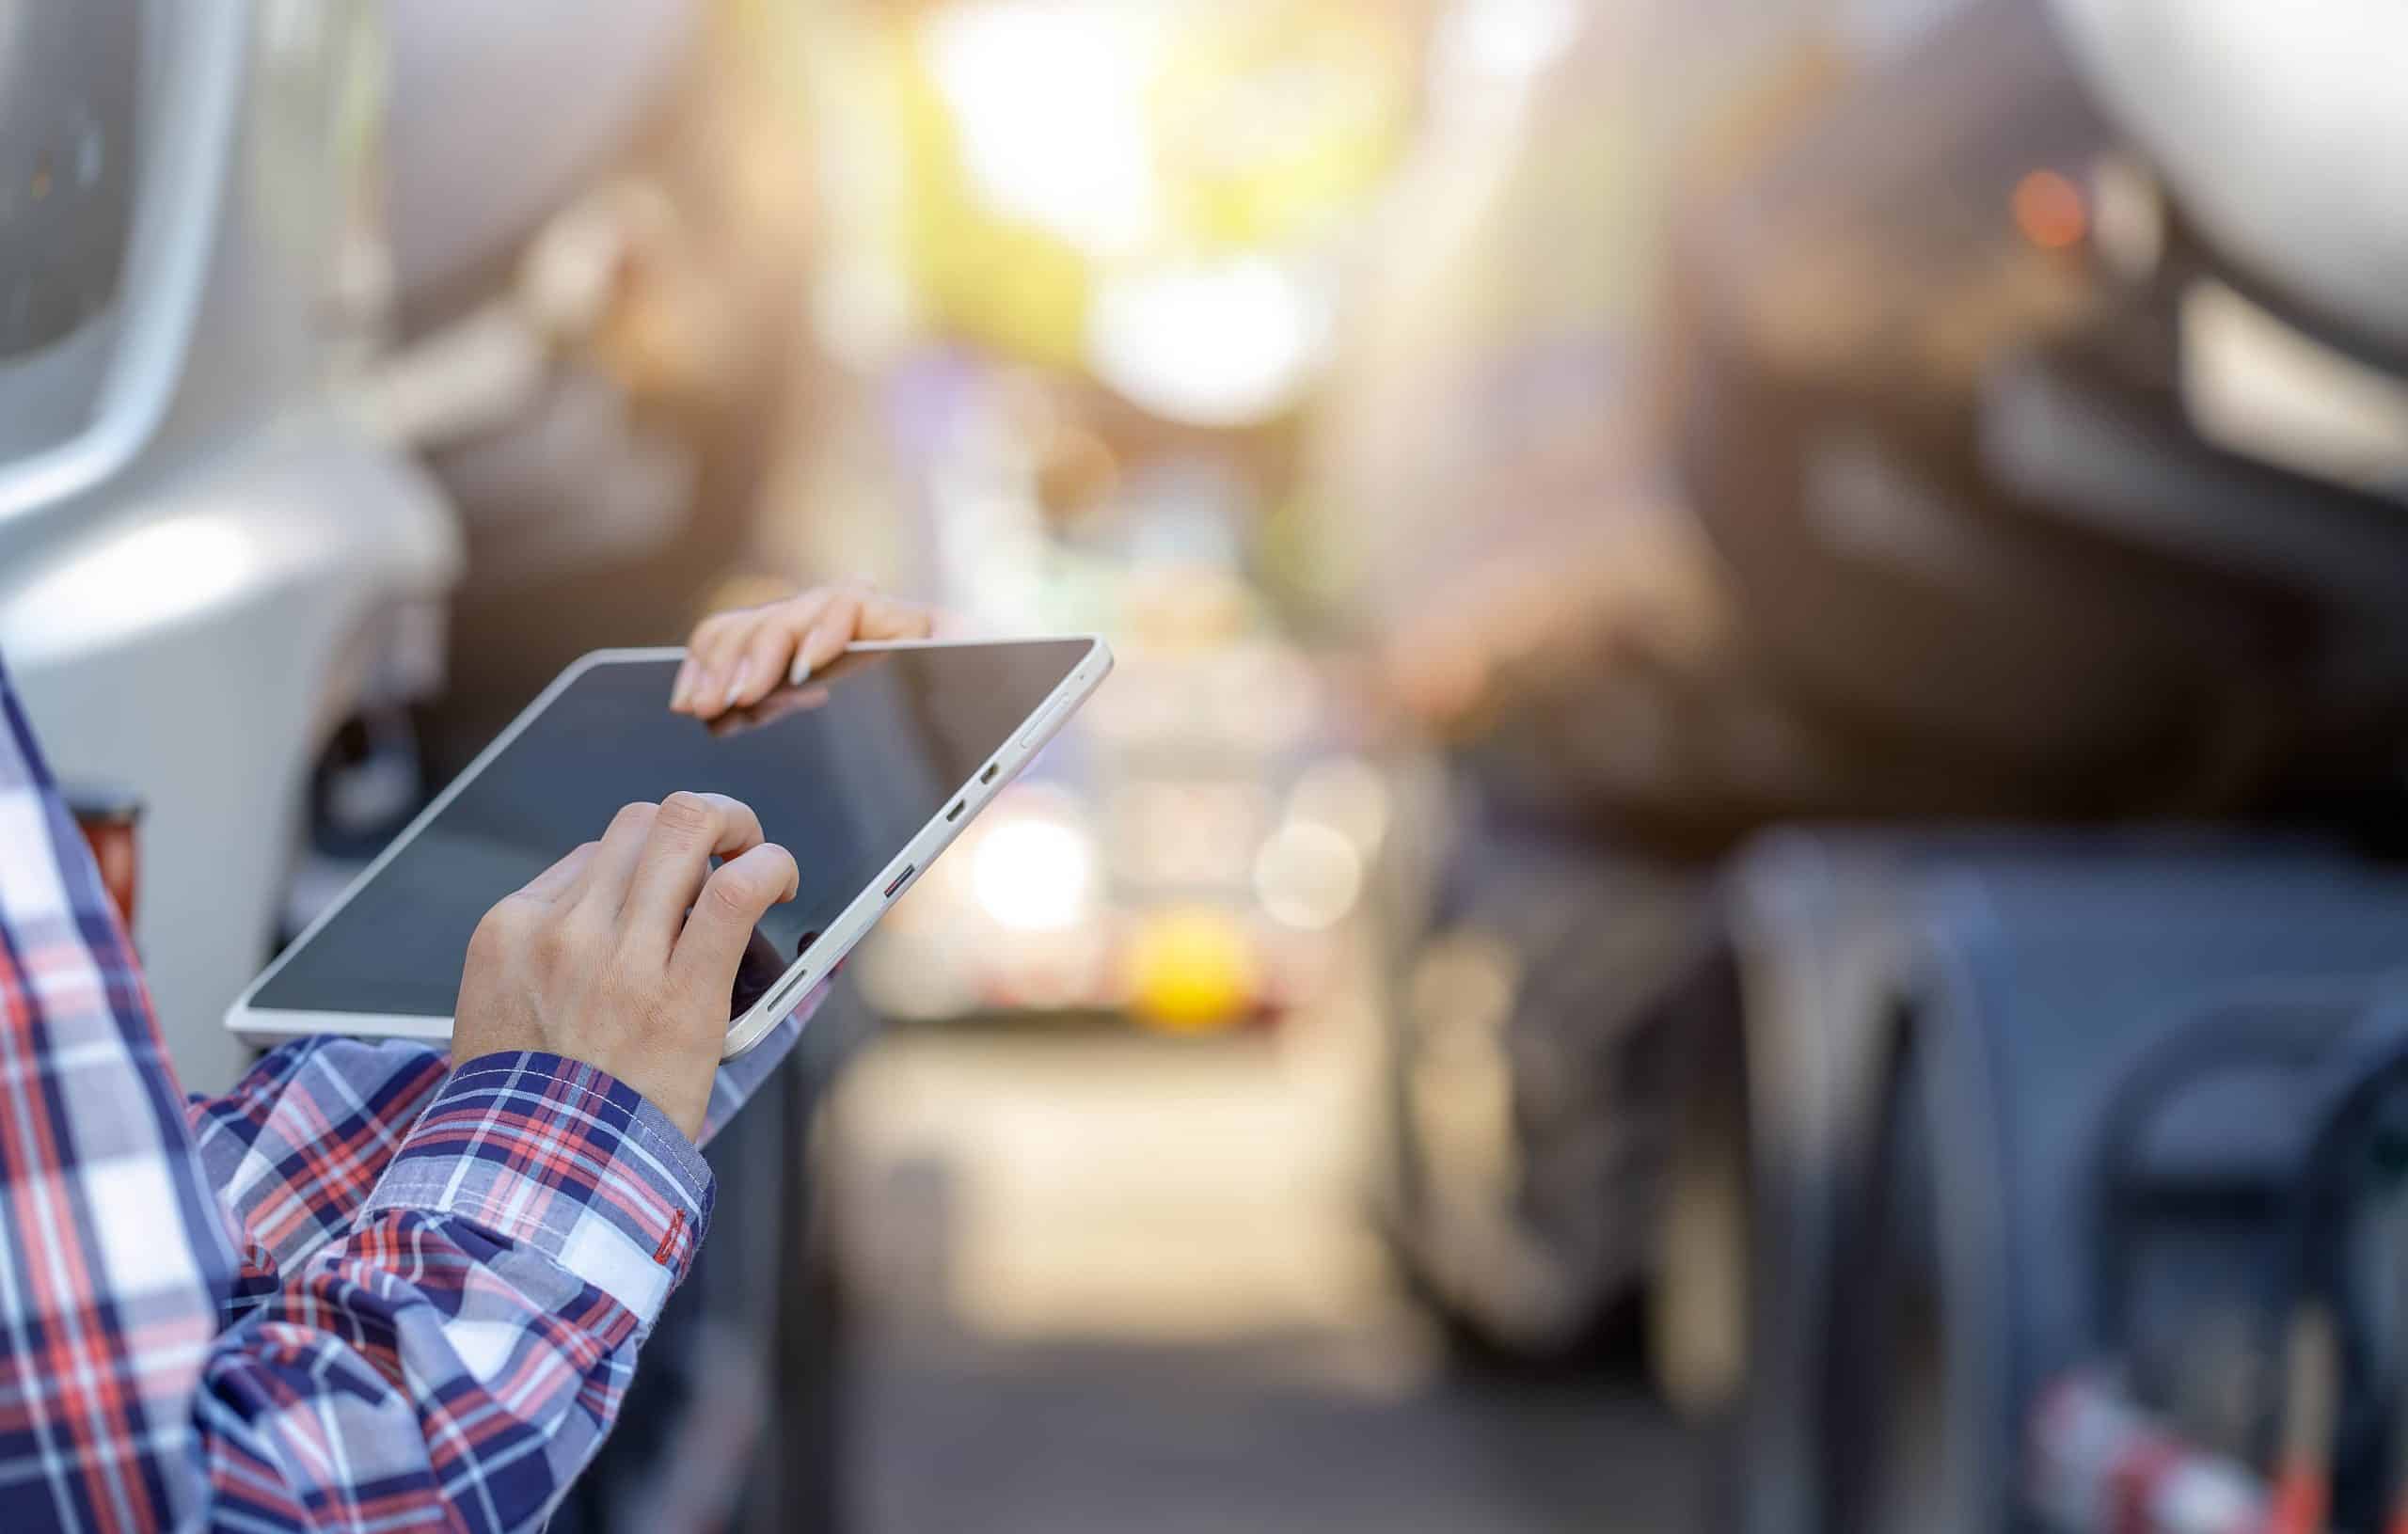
[554,1154]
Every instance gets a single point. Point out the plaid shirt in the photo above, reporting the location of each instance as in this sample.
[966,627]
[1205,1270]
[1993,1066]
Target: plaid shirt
[362,1291]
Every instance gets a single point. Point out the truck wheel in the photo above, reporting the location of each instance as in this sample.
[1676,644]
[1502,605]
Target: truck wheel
[1890,1396]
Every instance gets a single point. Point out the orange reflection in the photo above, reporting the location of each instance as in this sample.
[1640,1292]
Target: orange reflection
[2050,210]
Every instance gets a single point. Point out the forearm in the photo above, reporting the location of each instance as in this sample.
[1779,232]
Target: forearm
[351,1397]
[457,1355]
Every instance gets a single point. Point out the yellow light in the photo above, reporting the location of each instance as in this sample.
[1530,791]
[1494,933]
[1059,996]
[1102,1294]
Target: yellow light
[1191,972]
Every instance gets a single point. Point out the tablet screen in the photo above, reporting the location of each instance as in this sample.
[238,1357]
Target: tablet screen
[843,772]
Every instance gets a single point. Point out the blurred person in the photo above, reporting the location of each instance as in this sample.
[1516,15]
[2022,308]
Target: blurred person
[371,1283]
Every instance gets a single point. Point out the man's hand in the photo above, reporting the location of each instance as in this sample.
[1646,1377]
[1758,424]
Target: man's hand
[737,658]
[622,953]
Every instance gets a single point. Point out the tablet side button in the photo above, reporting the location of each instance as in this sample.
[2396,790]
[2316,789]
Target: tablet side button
[1038,728]
[901,879]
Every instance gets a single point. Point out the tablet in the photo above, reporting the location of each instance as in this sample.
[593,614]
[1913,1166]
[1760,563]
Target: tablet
[866,773]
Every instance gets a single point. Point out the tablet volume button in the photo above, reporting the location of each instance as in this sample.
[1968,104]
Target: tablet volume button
[1036,730]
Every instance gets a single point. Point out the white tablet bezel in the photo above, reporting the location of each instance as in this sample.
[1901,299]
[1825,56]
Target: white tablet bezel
[261,1025]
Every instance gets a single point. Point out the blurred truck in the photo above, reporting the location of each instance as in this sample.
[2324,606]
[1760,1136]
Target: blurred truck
[600,319]
[210,555]
[1963,437]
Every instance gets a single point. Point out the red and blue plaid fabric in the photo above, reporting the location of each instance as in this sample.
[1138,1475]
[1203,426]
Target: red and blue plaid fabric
[362,1291]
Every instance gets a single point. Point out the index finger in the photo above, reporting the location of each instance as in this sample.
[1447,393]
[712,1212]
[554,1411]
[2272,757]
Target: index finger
[689,831]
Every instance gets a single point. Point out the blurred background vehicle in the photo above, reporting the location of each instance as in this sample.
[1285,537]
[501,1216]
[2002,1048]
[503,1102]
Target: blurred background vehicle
[1742,872]
[598,318]
[209,556]
[1927,498]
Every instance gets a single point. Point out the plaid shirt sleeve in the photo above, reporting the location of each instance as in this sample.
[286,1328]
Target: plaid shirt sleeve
[296,1148]
[410,1299]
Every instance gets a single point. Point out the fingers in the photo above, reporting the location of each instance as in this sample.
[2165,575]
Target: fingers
[737,658]
[612,867]
[710,656]
[704,656]
[762,667]
[727,674]
[688,831]
[890,618]
[827,636]
[732,902]
[561,876]
[591,960]
[855,613]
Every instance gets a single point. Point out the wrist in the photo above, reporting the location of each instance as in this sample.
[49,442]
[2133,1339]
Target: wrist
[681,1096]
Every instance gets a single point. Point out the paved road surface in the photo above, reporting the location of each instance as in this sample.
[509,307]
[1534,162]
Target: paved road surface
[1108,1284]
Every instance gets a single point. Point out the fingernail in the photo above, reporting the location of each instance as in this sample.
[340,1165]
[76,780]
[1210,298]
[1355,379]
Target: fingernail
[735,689]
[799,672]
